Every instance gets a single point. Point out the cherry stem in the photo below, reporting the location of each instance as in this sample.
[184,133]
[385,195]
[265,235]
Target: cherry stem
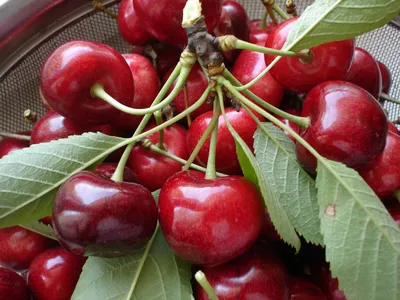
[301,121]
[186,100]
[211,172]
[397,195]
[253,47]
[291,8]
[202,280]
[180,160]
[159,121]
[15,136]
[263,23]
[279,11]
[98,91]
[30,116]
[388,98]
[271,14]
[97,5]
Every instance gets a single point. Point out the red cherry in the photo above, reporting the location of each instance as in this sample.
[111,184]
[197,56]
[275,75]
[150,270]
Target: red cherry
[44,101]
[347,125]
[12,286]
[364,72]
[107,170]
[301,289]
[93,215]
[258,35]
[209,222]
[383,175]
[196,83]
[47,220]
[54,273]
[258,274]
[247,66]
[164,20]
[225,27]
[322,276]
[72,69]
[393,128]
[329,61]
[151,169]
[19,246]
[269,232]
[292,125]
[147,85]
[239,19]
[386,77]
[226,158]
[129,25]
[9,145]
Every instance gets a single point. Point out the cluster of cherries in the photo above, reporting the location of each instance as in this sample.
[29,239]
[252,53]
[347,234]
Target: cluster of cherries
[220,225]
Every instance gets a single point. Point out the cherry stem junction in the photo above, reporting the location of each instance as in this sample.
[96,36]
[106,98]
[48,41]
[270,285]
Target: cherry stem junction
[15,136]
[202,280]
[211,173]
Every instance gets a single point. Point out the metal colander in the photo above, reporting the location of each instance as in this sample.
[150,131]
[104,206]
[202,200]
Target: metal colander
[47,24]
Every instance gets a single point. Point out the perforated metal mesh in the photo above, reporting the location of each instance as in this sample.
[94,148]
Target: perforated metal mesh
[19,88]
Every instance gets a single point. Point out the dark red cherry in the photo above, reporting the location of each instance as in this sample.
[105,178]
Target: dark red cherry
[383,174]
[322,276]
[225,27]
[196,84]
[164,20]
[226,157]
[347,125]
[47,220]
[130,28]
[54,273]
[394,211]
[386,77]
[147,85]
[151,169]
[19,246]
[12,286]
[9,145]
[44,101]
[247,66]
[108,169]
[393,128]
[364,72]
[72,69]
[329,61]
[93,215]
[268,231]
[209,222]
[259,35]
[292,125]
[239,19]
[53,126]
[258,274]
[301,289]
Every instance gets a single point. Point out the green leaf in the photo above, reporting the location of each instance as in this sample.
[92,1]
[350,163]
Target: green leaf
[362,240]
[40,228]
[333,20]
[291,185]
[252,172]
[29,178]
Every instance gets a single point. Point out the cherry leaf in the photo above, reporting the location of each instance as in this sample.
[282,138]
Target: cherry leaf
[40,228]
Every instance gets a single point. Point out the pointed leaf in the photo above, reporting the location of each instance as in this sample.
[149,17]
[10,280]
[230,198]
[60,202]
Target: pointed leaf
[40,228]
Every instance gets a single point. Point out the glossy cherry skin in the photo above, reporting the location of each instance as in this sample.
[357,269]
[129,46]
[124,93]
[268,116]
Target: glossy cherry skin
[108,169]
[292,125]
[383,174]
[258,274]
[301,289]
[247,66]
[225,27]
[226,157]
[147,85]
[364,72]
[93,215]
[393,128]
[258,35]
[72,69]
[386,77]
[151,169]
[209,222]
[12,286]
[19,246]
[239,19]
[347,125]
[54,273]
[164,20]
[9,145]
[130,28]
[330,61]
[196,84]
[53,126]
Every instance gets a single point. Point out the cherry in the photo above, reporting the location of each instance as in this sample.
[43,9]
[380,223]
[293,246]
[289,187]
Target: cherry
[247,66]
[196,83]
[239,19]
[93,215]
[108,169]
[394,211]
[329,61]
[364,72]
[54,273]
[258,35]
[43,100]
[225,27]
[151,169]
[12,286]
[322,276]
[258,274]
[209,222]
[9,145]
[292,125]
[71,70]
[347,125]
[19,246]
[301,289]
[383,174]
[269,232]
[386,77]
[164,20]
[226,158]
[53,126]
[393,128]
[129,25]
[147,85]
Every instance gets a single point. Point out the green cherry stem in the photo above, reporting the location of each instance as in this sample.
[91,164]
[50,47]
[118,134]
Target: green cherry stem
[271,13]
[159,121]
[211,172]
[388,98]
[97,5]
[202,280]
[15,136]
[263,23]
[279,11]
[253,47]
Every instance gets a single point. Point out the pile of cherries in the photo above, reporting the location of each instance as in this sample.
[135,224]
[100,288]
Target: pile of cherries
[219,225]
